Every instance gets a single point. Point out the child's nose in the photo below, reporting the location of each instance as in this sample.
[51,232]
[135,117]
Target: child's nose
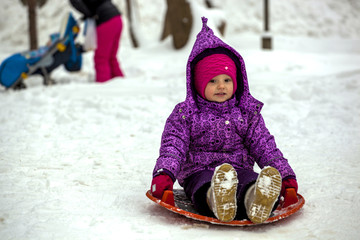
[221,85]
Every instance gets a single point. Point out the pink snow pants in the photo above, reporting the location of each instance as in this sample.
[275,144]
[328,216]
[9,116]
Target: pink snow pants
[108,39]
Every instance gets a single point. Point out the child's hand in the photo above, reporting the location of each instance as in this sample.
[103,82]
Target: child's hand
[161,183]
[288,183]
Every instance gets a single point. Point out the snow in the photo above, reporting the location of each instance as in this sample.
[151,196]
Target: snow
[76,158]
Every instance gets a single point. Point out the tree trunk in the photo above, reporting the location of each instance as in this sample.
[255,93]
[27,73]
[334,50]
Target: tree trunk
[222,25]
[133,37]
[167,28]
[32,24]
[178,22]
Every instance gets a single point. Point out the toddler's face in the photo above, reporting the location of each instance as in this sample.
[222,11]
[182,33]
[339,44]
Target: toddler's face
[219,89]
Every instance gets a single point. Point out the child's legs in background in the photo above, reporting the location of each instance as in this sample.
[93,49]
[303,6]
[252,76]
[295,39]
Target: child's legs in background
[108,34]
[102,53]
[114,64]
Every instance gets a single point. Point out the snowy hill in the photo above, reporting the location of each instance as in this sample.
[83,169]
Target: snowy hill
[76,158]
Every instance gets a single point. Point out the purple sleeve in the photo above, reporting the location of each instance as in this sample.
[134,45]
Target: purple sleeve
[263,149]
[174,144]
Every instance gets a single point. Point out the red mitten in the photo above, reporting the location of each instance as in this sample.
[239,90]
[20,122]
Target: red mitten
[161,183]
[288,183]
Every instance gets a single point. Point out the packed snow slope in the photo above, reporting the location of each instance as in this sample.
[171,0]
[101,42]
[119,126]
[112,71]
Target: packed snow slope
[76,158]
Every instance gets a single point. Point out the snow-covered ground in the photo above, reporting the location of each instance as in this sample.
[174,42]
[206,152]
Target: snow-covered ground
[76,158]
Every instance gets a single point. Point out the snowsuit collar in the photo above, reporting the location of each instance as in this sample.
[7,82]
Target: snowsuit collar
[207,43]
[215,107]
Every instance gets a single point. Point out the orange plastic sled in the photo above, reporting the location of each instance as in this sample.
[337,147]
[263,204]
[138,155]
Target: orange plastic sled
[177,202]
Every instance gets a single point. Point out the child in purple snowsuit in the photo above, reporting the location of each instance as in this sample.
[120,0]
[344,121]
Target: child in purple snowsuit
[108,30]
[212,140]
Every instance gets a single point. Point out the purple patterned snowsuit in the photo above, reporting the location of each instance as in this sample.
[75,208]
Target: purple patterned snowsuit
[200,135]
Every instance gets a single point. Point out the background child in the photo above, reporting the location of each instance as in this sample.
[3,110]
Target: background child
[108,31]
[212,140]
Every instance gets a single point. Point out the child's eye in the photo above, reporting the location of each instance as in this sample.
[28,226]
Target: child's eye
[228,80]
[212,81]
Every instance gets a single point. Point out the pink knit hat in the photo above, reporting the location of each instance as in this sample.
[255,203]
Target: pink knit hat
[210,67]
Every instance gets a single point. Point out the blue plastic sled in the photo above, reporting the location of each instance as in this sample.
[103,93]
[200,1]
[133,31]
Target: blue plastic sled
[61,49]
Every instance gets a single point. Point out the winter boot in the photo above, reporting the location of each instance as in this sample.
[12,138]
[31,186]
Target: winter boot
[221,196]
[261,197]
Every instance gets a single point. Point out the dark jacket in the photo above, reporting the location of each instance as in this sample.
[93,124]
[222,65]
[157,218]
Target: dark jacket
[101,10]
